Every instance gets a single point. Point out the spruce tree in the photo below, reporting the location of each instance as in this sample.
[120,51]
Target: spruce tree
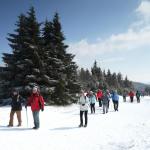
[114,81]
[97,75]
[120,79]
[50,60]
[12,75]
[64,69]
[26,64]
[108,78]
[40,60]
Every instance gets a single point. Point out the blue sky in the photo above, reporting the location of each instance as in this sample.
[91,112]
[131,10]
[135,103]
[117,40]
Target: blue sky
[116,33]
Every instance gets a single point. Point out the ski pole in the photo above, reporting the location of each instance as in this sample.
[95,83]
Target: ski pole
[27,116]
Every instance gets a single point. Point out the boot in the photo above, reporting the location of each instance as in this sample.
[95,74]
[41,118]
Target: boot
[81,125]
[85,125]
[10,125]
[19,125]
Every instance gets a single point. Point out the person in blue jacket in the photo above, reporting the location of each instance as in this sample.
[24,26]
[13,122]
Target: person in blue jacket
[115,99]
[92,100]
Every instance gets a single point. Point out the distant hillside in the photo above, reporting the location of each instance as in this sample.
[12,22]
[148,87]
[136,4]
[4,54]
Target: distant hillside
[140,86]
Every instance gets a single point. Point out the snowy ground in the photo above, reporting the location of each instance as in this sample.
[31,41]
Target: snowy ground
[127,129]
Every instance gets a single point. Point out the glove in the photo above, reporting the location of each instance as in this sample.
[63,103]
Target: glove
[25,106]
[42,109]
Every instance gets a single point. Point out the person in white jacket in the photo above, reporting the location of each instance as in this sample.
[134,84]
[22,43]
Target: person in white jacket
[84,104]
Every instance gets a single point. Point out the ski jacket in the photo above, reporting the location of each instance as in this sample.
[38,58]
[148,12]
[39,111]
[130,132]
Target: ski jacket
[84,103]
[115,96]
[36,102]
[105,99]
[124,94]
[131,94]
[92,99]
[99,94]
[138,94]
[16,103]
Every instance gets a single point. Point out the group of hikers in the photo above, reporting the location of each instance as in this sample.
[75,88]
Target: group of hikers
[36,102]
[89,98]
[132,94]
[86,99]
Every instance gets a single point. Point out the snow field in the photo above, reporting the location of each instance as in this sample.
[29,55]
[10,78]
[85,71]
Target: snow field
[129,128]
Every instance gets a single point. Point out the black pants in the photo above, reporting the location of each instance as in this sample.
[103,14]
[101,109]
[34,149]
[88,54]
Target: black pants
[124,98]
[116,104]
[108,104]
[100,102]
[85,116]
[92,108]
[138,99]
[131,98]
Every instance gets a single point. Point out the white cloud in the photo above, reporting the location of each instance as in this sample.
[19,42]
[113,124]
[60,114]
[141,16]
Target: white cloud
[143,15]
[137,36]
[112,60]
[144,10]
[121,42]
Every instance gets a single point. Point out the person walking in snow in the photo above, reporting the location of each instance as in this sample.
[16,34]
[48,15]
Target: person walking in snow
[138,95]
[105,101]
[99,97]
[131,94]
[36,102]
[84,105]
[115,99]
[124,95]
[16,107]
[92,100]
[109,96]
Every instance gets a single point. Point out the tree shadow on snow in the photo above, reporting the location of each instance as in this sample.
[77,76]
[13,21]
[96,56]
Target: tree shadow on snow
[63,128]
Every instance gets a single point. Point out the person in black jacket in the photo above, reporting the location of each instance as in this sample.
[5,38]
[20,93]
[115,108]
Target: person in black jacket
[16,107]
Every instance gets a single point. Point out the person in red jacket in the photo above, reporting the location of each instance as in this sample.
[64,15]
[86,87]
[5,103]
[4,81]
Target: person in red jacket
[99,96]
[131,94]
[36,102]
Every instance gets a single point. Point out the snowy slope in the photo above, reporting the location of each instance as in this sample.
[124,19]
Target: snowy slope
[127,129]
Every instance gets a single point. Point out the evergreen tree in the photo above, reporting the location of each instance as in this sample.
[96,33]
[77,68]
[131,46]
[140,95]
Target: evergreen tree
[25,64]
[108,77]
[126,82]
[97,75]
[12,75]
[114,81]
[89,80]
[65,68]
[120,79]
[50,60]
[40,60]
[82,75]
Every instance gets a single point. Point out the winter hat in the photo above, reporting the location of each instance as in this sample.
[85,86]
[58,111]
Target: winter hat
[91,92]
[107,91]
[35,89]
[15,91]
